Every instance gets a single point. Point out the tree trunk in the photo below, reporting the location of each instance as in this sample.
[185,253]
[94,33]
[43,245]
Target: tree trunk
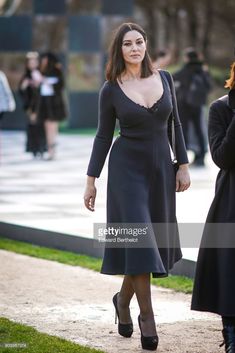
[175,33]
[193,25]
[149,9]
[152,29]
[207,30]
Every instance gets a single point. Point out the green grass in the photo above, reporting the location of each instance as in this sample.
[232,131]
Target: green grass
[72,131]
[35,342]
[65,257]
[177,283]
[219,75]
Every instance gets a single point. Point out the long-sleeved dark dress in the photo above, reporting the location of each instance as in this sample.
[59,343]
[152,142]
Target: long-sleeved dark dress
[214,285]
[141,177]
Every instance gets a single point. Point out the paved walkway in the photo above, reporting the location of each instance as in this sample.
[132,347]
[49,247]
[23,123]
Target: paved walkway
[75,304]
[72,302]
[49,195]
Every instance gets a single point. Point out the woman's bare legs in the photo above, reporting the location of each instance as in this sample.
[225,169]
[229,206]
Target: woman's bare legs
[51,128]
[139,284]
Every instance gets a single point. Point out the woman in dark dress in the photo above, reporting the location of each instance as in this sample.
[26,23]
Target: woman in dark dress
[51,109]
[141,176]
[28,89]
[214,287]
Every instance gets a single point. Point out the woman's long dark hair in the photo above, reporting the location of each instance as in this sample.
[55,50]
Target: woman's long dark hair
[52,65]
[116,63]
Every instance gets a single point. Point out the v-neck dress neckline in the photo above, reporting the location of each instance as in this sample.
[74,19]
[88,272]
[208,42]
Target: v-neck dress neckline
[155,104]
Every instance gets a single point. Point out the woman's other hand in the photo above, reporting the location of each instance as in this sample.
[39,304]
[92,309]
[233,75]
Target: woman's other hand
[182,178]
[90,194]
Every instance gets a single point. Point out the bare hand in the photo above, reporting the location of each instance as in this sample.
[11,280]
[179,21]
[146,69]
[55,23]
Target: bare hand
[182,179]
[25,84]
[89,197]
[33,118]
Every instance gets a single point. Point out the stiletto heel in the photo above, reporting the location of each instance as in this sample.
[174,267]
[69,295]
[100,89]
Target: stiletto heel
[148,342]
[124,330]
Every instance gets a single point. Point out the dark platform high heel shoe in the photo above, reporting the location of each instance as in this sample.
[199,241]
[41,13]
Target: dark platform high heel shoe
[229,339]
[124,330]
[148,342]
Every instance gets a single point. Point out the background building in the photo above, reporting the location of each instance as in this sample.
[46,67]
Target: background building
[79,32]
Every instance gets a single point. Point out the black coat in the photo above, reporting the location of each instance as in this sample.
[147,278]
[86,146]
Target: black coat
[214,287]
[29,95]
[35,132]
[183,79]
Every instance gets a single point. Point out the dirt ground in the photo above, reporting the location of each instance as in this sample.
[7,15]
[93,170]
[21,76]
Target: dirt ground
[75,304]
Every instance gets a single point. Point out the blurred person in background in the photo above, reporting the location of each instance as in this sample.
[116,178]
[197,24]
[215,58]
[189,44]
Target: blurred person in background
[214,284]
[29,92]
[7,101]
[193,83]
[51,107]
[161,59]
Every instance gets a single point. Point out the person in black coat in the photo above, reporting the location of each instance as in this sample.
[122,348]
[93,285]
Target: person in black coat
[51,106]
[29,93]
[214,286]
[192,84]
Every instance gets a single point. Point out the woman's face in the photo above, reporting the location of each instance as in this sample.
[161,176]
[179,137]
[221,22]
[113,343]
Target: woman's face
[133,47]
[32,63]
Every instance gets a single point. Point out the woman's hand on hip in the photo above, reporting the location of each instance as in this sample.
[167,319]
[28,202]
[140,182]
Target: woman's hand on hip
[90,194]
[182,178]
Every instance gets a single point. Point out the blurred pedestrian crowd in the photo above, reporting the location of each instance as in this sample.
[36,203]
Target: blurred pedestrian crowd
[41,91]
